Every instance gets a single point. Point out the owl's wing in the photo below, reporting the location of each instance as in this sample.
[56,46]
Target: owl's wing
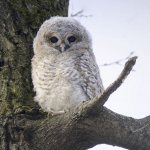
[90,80]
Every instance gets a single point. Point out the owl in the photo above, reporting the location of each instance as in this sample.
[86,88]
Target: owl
[64,69]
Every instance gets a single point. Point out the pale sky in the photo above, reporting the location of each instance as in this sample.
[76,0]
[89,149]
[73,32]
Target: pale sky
[119,27]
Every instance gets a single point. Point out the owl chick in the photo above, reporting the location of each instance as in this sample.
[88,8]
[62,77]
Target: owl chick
[64,70]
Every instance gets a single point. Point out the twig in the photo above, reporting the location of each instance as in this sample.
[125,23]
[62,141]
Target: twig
[116,84]
[80,14]
[118,62]
[77,13]
[100,100]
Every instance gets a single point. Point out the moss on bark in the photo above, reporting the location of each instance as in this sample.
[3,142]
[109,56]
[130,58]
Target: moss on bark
[20,21]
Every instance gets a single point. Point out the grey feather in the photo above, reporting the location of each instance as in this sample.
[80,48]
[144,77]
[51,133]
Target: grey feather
[64,69]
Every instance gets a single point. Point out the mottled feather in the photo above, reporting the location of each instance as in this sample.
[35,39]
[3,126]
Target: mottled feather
[64,69]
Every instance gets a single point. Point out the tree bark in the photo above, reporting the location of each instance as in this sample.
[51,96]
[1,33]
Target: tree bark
[22,125]
[19,22]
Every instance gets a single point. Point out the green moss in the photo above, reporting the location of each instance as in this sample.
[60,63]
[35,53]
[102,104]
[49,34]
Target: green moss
[18,27]
[9,45]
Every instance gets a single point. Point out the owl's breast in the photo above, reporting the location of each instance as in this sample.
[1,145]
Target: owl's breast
[59,83]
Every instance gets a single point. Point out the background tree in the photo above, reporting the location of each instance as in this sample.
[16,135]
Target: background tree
[22,125]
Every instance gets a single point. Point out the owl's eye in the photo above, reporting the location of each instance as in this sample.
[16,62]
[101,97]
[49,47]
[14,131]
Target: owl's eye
[54,39]
[71,39]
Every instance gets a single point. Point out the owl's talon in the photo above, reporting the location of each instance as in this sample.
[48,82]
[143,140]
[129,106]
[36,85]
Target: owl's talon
[57,113]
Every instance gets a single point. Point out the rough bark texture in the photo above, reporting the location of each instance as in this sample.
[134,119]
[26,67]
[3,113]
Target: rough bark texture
[19,22]
[22,125]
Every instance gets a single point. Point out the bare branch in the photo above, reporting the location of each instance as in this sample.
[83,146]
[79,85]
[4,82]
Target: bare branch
[118,62]
[116,84]
[77,13]
[78,132]
[80,14]
[99,101]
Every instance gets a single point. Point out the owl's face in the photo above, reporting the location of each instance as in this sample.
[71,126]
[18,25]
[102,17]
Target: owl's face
[62,42]
[61,34]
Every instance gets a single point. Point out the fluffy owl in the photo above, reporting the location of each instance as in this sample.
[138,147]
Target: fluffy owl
[64,69]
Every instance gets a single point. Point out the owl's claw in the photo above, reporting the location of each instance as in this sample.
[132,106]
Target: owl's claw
[55,113]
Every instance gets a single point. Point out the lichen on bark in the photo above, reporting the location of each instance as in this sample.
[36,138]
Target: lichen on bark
[20,21]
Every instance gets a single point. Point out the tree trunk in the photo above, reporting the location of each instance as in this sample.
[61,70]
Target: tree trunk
[19,22]
[22,125]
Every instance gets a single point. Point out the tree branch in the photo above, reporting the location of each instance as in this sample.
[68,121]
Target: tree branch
[84,127]
[118,130]
[99,101]
[116,84]
[118,62]
[77,132]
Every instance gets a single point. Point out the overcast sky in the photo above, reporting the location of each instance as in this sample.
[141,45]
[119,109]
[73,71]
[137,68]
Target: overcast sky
[119,27]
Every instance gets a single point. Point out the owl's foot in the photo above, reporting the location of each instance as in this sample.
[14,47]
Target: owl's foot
[55,113]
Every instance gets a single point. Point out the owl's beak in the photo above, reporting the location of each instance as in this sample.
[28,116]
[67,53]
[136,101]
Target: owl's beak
[63,47]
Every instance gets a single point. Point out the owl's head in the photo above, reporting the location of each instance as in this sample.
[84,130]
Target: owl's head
[61,34]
